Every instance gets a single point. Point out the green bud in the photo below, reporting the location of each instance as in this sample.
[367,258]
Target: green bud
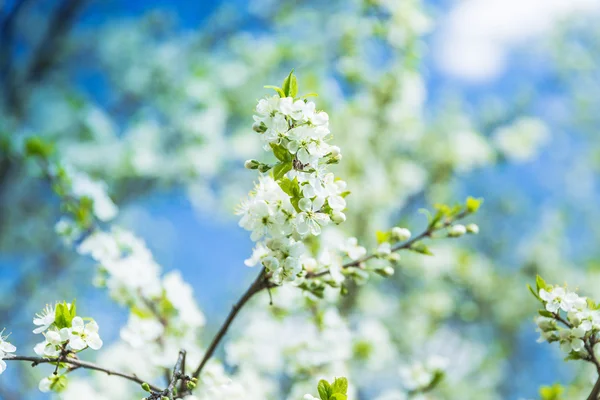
[146,387]
[264,168]
[191,385]
[259,127]
[251,164]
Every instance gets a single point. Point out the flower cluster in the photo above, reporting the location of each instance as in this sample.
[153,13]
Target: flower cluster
[567,318]
[300,196]
[5,349]
[64,332]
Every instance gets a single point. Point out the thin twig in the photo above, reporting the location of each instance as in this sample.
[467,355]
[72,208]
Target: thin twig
[402,246]
[81,364]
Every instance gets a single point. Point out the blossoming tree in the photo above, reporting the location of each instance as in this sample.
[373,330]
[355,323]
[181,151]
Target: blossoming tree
[396,321]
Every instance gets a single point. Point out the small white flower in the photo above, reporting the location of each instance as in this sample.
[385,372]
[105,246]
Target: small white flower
[44,319]
[571,340]
[353,250]
[311,219]
[558,298]
[84,335]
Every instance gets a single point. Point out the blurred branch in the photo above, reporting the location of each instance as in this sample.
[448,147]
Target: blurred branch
[6,39]
[73,362]
[45,54]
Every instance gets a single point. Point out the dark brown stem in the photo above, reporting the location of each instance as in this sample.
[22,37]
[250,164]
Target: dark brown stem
[80,364]
[261,282]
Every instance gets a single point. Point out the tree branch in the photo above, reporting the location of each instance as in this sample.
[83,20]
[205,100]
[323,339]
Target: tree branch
[595,391]
[80,364]
[261,282]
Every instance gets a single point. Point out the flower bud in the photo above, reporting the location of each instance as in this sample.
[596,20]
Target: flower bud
[400,234]
[472,229]
[384,249]
[335,151]
[338,217]
[251,164]
[146,387]
[395,257]
[271,263]
[386,272]
[259,127]
[457,230]
[191,385]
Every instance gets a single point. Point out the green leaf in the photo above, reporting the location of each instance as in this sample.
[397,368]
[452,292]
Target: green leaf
[340,385]
[290,187]
[383,236]
[290,85]
[277,89]
[62,316]
[338,396]
[280,169]
[591,304]
[573,355]
[309,95]
[324,389]
[35,146]
[59,383]
[281,152]
[533,292]
[473,204]
[545,313]
[73,310]
[540,283]
[553,392]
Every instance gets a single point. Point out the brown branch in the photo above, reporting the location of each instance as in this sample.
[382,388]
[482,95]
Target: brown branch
[261,282]
[402,246]
[177,373]
[73,362]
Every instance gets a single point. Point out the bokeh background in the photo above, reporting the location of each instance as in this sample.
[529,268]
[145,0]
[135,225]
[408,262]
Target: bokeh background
[430,101]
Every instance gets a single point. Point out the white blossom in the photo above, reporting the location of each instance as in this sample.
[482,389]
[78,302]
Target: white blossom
[5,349]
